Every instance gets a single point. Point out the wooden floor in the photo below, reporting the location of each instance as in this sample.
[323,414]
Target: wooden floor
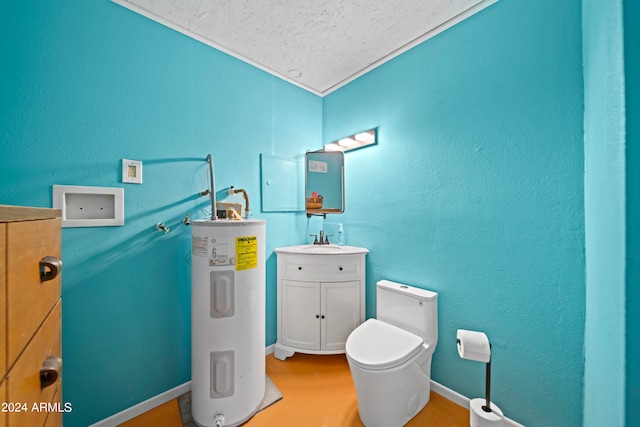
[317,392]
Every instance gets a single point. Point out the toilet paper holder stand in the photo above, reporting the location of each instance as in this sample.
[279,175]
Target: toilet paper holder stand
[487,388]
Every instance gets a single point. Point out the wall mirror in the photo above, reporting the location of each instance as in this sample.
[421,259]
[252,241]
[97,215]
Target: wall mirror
[324,182]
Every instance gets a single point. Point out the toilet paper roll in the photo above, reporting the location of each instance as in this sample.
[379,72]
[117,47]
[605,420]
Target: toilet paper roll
[473,345]
[479,418]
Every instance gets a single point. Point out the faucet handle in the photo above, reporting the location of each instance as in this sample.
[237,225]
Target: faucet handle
[315,241]
[326,238]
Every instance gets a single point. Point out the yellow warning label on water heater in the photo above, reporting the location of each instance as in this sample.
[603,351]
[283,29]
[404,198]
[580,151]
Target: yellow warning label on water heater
[246,252]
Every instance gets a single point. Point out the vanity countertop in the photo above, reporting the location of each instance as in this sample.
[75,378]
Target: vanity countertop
[330,249]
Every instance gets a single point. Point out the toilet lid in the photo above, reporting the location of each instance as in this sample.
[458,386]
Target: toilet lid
[379,345]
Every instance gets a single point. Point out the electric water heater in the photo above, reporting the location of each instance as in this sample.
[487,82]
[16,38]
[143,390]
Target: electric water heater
[227,321]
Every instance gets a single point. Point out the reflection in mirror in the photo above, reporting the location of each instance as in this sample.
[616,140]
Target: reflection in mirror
[324,182]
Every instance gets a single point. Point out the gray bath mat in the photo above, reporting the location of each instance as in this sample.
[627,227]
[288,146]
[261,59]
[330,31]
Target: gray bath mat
[271,396]
[271,393]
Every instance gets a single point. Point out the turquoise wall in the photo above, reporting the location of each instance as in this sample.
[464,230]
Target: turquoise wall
[475,190]
[85,84]
[604,383]
[632,107]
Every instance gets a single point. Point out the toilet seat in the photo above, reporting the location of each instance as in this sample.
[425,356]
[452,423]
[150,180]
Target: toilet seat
[377,345]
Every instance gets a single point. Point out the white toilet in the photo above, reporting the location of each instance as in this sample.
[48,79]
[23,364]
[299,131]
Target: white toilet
[390,357]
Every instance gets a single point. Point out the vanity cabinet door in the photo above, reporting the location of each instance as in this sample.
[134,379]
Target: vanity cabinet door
[340,313]
[300,313]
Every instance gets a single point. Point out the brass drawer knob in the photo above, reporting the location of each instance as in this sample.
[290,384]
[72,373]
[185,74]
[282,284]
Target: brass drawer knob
[50,267]
[50,371]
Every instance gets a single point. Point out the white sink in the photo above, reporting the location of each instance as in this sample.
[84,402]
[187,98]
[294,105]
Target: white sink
[319,249]
[329,249]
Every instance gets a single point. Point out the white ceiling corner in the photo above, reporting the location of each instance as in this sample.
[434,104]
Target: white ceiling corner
[317,45]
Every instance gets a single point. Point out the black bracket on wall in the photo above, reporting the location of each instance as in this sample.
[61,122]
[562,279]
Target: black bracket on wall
[323,215]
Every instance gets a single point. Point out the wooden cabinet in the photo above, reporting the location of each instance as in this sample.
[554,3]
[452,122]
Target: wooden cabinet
[321,300]
[3,399]
[30,316]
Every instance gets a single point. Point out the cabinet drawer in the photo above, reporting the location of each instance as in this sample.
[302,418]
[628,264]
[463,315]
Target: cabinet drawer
[29,299]
[3,398]
[321,268]
[54,419]
[24,377]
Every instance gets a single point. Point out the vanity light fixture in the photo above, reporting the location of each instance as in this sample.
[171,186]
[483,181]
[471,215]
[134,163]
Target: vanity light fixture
[352,142]
[347,142]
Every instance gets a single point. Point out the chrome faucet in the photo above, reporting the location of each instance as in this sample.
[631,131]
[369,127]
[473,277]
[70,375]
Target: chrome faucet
[324,238]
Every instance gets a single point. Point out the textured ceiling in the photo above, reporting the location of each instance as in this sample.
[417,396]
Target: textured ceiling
[319,45]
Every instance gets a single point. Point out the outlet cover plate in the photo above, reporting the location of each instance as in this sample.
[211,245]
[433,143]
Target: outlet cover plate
[131,171]
[89,206]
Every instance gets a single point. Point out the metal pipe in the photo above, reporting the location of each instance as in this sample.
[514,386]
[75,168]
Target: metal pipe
[232,191]
[214,215]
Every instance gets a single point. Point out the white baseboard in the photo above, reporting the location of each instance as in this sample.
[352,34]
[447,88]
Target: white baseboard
[449,394]
[145,406]
[463,401]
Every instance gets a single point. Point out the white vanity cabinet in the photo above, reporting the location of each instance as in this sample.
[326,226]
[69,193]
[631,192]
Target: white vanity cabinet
[321,298]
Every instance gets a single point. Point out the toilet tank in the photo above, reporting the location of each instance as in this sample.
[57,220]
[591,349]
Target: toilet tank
[410,308]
